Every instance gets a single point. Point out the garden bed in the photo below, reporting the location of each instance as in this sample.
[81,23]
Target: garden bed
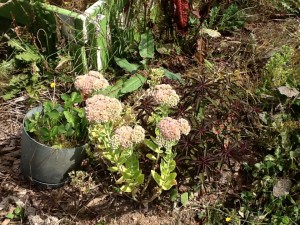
[235,65]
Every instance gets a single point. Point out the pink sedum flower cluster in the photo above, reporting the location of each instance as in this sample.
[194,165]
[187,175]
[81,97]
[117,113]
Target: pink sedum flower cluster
[87,83]
[164,94]
[185,127]
[171,129]
[100,108]
[126,136]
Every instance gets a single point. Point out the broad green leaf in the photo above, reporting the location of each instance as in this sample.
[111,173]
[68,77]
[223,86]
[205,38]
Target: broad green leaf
[54,114]
[80,111]
[152,146]
[65,97]
[184,198]
[133,83]
[146,47]
[69,129]
[61,129]
[173,76]
[124,64]
[70,118]
[54,131]
[114,90]
[76,97]
[44,134]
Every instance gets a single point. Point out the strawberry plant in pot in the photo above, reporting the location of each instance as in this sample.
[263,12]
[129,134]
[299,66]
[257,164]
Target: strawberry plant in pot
[53,140]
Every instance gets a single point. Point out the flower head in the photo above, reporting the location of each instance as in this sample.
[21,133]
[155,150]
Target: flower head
[185,127]
[125,136]
[52,85]
[228,219]
[89,82]
[122,137]
[138,134]
[164,94]
[100,108]
[169,129]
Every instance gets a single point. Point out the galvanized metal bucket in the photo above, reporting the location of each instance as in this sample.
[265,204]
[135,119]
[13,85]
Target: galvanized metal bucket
[45,165]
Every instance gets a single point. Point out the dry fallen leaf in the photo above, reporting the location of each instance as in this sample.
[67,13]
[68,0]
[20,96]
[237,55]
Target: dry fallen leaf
[211,33]
[200,51]
[5,222]
[287,91]
[96,201]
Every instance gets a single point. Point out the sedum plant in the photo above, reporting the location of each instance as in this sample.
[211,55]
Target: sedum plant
[128,137]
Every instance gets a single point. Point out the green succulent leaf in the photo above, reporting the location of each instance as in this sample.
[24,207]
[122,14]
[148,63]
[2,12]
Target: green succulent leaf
[126,188]
[157,178]
[151,157]
[150,144]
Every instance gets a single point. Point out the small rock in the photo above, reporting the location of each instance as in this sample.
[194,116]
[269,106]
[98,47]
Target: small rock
[30,211]
[37,220]
[282,187]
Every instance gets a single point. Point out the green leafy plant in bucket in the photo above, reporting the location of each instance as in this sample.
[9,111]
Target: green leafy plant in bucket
[59,125]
